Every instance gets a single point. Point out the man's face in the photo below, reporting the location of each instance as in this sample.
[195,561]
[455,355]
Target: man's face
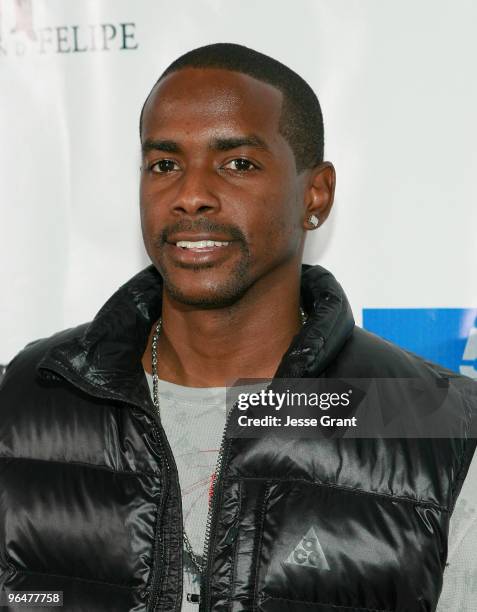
[216,170]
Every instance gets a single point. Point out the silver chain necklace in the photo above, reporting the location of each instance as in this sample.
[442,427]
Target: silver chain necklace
[197,561]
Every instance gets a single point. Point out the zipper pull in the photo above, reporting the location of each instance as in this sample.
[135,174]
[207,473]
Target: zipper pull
[193,598]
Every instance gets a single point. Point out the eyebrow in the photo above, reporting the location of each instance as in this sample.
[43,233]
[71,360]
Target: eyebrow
[226,144]
[169,146]
[217,144]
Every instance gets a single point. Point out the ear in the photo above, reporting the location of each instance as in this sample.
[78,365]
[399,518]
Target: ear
[319,194]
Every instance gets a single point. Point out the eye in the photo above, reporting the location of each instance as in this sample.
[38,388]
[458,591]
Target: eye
[240,164]
[163,166]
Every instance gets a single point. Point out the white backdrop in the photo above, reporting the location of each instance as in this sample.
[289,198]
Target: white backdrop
[396,80]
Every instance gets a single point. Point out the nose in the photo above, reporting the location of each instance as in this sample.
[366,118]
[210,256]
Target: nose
[195,193]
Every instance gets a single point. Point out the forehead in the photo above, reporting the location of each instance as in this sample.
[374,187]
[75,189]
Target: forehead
[205,99]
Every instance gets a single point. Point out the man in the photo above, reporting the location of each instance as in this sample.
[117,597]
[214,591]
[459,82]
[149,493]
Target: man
[94,460]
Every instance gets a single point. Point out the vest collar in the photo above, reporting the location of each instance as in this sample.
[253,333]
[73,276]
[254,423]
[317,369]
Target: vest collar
[104,359]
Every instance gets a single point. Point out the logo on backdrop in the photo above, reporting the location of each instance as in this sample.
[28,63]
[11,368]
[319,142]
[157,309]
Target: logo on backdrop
[447,336]
[20,36]
[308,552]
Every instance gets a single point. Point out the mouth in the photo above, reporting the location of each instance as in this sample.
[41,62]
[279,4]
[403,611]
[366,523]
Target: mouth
[201,245]
[194,251]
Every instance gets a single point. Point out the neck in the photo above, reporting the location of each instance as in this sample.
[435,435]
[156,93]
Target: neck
[215,347]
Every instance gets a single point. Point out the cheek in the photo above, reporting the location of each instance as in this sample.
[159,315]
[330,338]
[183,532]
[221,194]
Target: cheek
[149,224]
[276,223]
[149,210]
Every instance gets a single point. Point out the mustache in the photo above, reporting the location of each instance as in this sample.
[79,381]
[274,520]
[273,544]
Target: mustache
[199,225]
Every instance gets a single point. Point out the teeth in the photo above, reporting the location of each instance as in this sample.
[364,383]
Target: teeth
[200,244]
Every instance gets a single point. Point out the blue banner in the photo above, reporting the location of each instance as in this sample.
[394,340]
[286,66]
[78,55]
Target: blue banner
[447,336]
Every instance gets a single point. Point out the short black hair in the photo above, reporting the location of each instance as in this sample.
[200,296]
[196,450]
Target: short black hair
[301,120]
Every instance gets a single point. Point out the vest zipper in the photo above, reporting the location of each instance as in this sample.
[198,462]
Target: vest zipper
[157,575]
[212,513]
[157,581]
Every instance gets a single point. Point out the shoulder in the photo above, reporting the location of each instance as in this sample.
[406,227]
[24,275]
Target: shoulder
[365,354]
[426,385]
[21,372]
[437,404]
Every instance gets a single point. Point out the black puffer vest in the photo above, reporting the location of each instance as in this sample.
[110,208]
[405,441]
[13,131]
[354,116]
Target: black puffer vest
[90,503]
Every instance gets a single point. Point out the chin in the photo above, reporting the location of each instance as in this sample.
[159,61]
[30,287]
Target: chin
[206,292]
[207,288]
[205,298]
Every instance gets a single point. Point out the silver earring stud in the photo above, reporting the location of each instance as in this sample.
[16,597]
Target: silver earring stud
[313,220]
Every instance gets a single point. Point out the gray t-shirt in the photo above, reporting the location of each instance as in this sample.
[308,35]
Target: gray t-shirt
[194,418]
